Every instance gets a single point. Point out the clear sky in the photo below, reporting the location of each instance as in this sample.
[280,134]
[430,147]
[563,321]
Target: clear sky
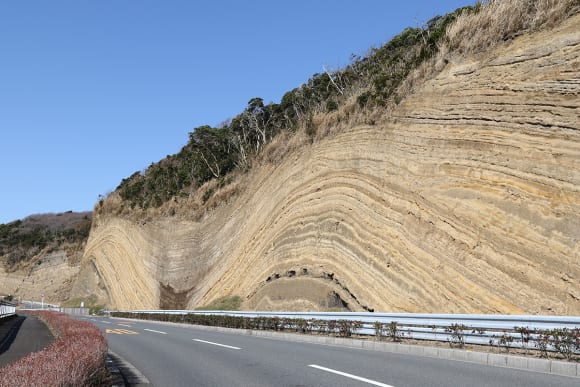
[92,91]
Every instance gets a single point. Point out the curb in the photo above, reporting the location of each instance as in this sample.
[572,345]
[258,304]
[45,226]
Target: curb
[547,366]
[123,373]
[117,379]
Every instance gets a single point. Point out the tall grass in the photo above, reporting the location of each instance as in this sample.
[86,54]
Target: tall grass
[500,20]
[75,358]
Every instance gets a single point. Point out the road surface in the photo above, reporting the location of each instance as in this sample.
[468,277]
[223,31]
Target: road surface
[175,355]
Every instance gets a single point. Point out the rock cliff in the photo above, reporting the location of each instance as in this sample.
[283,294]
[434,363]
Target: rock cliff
[466,198]
[41,254]
[51,275]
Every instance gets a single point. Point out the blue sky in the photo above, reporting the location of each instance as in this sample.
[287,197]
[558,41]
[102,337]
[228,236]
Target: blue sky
[92,91]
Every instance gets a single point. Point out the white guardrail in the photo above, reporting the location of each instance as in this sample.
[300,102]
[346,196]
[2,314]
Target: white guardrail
[7,309]
[470,328]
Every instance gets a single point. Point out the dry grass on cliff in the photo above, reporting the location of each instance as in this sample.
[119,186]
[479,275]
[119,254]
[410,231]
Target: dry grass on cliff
[496,22]
[193,205]
[281,145]
[502,20]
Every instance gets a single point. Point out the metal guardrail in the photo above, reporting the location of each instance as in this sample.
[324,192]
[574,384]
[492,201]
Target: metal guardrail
[478,329]
[38,305]
[7,309]
[33,305]
[74,311]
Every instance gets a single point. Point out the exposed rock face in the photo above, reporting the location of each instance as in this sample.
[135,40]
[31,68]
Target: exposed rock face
[467,200]
[49,274]
[41,254]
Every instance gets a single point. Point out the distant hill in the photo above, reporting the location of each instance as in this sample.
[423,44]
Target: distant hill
[22,240]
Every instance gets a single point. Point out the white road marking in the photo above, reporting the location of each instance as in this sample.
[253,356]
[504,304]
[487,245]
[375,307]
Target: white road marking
[219,345]
[105,322]
[369,381]
[125,325]
[151,330]
[121,332]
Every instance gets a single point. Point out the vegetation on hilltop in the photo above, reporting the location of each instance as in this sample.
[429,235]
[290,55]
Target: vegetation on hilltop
[212,153]
[21,240]
[372,82]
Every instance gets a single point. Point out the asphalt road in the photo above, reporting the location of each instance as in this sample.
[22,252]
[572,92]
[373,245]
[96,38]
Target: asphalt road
[174,355]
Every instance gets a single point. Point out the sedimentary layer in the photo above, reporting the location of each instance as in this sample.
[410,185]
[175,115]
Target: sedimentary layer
[48,275]
[467,199]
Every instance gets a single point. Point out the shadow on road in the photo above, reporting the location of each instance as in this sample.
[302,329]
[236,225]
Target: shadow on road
[9,328]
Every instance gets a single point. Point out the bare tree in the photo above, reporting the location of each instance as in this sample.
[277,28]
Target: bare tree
[339,89]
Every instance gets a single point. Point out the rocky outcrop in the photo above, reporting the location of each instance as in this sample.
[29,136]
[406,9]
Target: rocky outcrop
[51,275]
[467,199]
[40,255]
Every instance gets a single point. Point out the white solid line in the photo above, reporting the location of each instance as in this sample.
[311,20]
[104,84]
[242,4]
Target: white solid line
[151,330]
[219,345]
[369,381]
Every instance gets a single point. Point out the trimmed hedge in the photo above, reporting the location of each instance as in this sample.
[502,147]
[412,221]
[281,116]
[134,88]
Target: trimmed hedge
[75,358]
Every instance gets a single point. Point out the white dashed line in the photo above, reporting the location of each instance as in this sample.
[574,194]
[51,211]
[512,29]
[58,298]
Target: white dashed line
[151,330]
[125,325]
[219,345]
[369,381]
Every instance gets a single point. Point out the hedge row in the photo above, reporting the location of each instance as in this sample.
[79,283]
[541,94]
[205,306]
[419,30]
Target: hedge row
[75,358]
[343,328]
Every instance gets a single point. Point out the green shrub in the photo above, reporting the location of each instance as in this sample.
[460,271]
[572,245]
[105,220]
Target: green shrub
[224,303]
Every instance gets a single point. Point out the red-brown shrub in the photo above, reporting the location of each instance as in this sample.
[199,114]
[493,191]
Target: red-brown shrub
[75,358]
